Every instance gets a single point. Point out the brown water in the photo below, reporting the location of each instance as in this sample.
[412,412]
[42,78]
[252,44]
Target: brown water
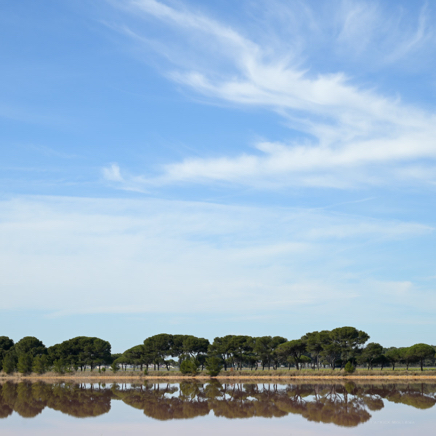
[215,408]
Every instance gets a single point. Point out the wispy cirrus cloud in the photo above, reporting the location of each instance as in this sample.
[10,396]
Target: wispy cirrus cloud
[355,135]
[112,173]
[156,256]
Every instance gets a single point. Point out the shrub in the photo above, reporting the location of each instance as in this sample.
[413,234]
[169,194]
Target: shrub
[39,364]
[349,368]
[59,366]
[9,363]
[189,366]
[25,362]
[213,366]
[115,367]
[146,371]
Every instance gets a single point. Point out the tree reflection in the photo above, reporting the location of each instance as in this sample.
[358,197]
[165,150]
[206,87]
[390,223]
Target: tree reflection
[346,405]
[30,399]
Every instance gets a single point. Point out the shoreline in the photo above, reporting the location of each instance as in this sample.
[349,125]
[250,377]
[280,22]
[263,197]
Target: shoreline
[235,378]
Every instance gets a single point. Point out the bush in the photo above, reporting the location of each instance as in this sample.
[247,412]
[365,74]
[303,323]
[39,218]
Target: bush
[39,364]
[146,371]
[349,368]
[25,362]
[59,366]
[213,366]
[9,363]
[189,366]
[115,367]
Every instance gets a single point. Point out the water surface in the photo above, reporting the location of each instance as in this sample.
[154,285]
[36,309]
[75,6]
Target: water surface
[216,408]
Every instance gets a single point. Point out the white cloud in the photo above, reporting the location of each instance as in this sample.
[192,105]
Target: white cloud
[112,173]
[357,135]
[74,255]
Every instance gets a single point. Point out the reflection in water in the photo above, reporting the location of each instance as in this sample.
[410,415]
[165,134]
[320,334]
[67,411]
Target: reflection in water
[341,404]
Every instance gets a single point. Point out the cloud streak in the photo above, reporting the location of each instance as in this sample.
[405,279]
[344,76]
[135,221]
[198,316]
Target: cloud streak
[355,135]
[154,256]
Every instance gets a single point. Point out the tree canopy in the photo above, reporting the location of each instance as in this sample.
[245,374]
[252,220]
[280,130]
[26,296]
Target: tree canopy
[333,348]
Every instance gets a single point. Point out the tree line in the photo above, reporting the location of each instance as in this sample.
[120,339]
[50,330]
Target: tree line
[343,347]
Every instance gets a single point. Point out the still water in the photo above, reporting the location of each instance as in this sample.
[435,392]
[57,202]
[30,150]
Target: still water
[214,408]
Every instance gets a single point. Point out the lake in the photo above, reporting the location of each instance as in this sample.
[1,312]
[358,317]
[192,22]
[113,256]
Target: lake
[217,408]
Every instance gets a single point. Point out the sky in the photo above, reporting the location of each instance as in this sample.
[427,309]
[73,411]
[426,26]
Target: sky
[259,167]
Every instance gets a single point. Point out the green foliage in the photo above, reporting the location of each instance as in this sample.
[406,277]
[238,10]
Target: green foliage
[26,350]
[135,356]
[5,345]
[406,356]
[315,344]
[30,344]
[213,366]
[393,355]
[305,359]
[157,348]
[194,346]
[82,351]
[237,352]
[348,340]
[265,350]
[115,357]
[39,365]
[421,352]
[115,367]
[59,366]
[189,366]
[371,354]
[9,362]
[25,362]
[146,371]
[349,368]
[292,351]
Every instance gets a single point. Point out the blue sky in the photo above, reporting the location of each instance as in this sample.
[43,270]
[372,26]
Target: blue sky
[252,167]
